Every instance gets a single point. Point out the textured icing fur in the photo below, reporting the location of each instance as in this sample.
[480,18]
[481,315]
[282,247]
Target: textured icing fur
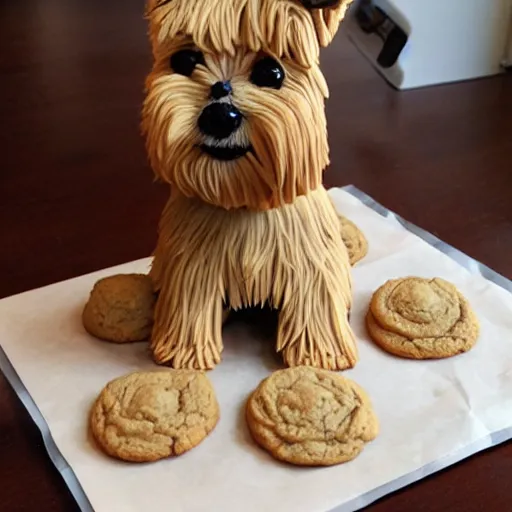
[292,258]
[280,27]
[288,138]
[260,228]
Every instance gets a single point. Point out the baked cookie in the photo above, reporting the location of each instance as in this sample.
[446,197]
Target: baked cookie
[146,416]
[311,417]
[120,308]
[354,240]
[421,318]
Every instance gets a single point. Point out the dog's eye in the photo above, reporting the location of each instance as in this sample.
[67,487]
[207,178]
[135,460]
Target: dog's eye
[267,72]
[184,62]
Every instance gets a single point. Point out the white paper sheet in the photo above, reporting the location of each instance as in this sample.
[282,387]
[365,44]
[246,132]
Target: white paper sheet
[432,413]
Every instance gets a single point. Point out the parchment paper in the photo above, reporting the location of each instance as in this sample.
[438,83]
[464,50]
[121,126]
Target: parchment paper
[432,413]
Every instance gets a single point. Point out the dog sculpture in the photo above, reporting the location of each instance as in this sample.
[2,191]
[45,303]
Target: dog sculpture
[234,121]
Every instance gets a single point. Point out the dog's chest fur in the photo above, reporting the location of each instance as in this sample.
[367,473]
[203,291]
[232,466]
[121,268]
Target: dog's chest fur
[250,258]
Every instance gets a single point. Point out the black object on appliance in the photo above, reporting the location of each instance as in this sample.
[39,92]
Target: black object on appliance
[373,20]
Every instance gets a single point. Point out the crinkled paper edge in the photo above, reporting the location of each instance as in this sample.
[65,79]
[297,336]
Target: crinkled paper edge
[475,267]
[365,499]
[56,457]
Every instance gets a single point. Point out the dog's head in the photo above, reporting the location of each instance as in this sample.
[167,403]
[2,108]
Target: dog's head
[234,112]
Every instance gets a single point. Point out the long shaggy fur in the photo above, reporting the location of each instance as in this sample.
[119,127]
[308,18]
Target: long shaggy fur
[287,133]
[258,229]
[292,258]
[280,27]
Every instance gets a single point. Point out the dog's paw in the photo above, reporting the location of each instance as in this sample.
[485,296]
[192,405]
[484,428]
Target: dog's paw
[317,358]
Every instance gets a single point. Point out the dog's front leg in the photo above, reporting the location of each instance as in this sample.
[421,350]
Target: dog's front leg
[187,331]
[313,325]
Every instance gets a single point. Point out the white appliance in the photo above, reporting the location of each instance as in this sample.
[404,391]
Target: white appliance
[507,61]
[417,43]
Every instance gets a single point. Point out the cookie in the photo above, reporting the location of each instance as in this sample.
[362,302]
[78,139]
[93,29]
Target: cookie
[354,240]
[120,308]
[147,416]
[421,318]
[311,417]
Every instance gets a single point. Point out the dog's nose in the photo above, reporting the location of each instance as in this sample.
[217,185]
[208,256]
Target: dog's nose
[221,90]
[220,120]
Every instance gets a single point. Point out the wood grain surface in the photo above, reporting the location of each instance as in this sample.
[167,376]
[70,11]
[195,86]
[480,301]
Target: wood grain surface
[77,194]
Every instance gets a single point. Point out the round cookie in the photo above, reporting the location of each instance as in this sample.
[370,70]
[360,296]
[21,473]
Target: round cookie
[421,318]
[311,417]
[120,308]
[147,416]
[354,240]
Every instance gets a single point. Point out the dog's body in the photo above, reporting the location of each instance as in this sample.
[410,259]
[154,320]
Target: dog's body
[291,258]
[234,121]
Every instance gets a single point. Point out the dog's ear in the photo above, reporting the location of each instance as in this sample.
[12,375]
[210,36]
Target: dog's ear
[319,4]
[327,16]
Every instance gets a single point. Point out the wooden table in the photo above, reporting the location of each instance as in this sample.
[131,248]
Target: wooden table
[77,193]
